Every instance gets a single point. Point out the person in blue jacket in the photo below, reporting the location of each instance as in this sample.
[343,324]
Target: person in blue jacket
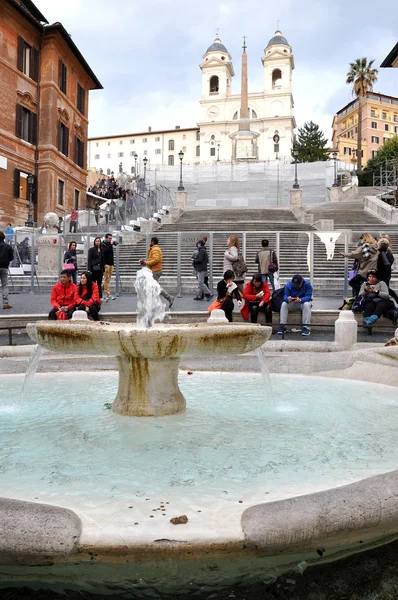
[298,296]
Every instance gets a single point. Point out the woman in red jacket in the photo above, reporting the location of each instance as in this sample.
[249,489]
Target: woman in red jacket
[257,295]
[88,293]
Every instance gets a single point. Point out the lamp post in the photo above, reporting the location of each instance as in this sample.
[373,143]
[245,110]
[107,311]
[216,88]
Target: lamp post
[335,184]
[121,167]
[181,186]
[218,152]
[31,179]
[145,161]
[135,161]
[295,154]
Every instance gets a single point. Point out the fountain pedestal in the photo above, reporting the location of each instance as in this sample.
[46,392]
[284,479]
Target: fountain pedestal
[148,388]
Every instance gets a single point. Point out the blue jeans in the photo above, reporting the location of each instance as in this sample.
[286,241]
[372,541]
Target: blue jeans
[269,277]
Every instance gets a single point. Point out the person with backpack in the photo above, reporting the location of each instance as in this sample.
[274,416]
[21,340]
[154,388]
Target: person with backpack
[267,262]
[200,262]
[297,296]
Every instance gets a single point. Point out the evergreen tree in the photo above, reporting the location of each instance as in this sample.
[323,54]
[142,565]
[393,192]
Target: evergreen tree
[311,143]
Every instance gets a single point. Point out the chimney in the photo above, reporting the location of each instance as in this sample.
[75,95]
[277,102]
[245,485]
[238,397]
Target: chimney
[149,129]
[178,127]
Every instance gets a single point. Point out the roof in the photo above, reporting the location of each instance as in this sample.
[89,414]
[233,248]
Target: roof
[29,11]
[278,39]
[367,98]
[217,46]
[123,135]
[391,58]
[59,28]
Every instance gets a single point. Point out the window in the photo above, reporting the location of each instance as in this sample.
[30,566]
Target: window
[80,98]
[121,142]
[384,116]
[132,141]
[158,151]
[171,144]
[132,170]
[144,140]
[184,148]
[62,76]
[385,126]
[374,125]
[184,137]
[96,144]
[77,199]
[61,188]
[171,160]
[373,113]
[108,155]
[120,154]
[157,139]
[254,114]
[347,151]
[96,156]
[395,118]
[109,143]
[132,153]
[374,152]
[375,139]
[79,152]
[198,136]
[276,79]
[145,152]
[385,139]
[63,138]
[395,129]
[212,151]
[28,59]
[26,125]
[20,184]
[214,84]
[108,171]
[197,150]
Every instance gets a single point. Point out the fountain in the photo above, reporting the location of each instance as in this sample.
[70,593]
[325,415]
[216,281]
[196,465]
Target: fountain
[265,487]
[148,354]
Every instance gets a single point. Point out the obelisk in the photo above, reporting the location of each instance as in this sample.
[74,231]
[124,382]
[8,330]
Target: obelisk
[244,123]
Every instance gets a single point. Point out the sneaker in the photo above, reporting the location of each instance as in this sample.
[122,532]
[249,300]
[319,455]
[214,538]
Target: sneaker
[113,297]
[305,331]
[209,296]
[281,330]
[171,302]
[5,306]
[105,299]
[198,298]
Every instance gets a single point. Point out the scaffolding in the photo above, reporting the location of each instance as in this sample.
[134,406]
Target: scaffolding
[385,179]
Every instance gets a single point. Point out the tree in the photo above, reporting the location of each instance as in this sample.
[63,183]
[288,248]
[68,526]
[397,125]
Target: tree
[311,143]
[362,77]
[387,152]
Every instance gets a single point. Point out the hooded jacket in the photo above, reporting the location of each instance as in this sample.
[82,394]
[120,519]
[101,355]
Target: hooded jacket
[6,255]
[64,295]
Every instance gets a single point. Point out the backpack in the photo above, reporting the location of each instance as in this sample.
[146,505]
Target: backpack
[239,266]
[277,299]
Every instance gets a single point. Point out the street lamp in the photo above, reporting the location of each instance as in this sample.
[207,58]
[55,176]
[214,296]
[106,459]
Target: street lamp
[218,152]
[135,160]
[145,161]
[112,173]
[31,179]
[335,184]
[295,154]
[121,167]
[181,186]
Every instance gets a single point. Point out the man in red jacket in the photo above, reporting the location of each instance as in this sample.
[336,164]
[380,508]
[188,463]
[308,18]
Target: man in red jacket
[64,297]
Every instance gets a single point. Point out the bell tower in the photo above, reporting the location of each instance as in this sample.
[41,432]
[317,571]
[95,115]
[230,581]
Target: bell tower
[217,72]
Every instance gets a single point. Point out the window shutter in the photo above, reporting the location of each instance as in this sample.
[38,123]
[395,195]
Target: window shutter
[76,151]
[34,64]
[17,183]
[81,154]
[60,74]
[33,128]
[21,48]
[18,131]
[59,136]
[65,149]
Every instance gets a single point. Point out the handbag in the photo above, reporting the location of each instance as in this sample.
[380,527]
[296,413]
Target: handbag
[96,267]
[61,315]
[68,267]
[216,304]
[351,274]
[239,266]
[272,266]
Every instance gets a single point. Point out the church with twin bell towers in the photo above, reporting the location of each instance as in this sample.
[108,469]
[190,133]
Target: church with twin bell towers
[250,126]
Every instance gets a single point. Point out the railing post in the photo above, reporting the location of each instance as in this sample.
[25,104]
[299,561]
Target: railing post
[179,280]
[32,263]
[345,264]
[312,258]
[211,244]
[244,245]
[60,252]
[117,264]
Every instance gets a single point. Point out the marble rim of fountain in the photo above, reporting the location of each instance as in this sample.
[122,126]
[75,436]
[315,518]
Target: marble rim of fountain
[160,341]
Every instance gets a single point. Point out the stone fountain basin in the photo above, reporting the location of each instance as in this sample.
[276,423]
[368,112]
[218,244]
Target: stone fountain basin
[159,342]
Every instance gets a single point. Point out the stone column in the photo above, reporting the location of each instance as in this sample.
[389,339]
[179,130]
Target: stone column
[296,197]
[181,200]
[335,194]
[48,255]
[346,329]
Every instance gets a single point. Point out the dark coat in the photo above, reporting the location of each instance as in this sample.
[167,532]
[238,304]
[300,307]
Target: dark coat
[6,255]
[95,258]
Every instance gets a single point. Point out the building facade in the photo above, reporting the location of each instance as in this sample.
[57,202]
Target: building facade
[270,113]
[43,121]
[379,124]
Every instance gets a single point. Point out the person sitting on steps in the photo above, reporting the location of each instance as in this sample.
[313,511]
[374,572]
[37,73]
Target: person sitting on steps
[297,296]
[257,295]
[376,299]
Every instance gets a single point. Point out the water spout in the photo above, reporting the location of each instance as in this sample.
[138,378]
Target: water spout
[33,363]
[269,393]
[149,306]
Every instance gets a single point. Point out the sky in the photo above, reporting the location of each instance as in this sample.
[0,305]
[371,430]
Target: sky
[147,54]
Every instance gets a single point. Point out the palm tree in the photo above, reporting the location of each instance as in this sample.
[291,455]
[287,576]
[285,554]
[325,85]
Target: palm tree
[362,77]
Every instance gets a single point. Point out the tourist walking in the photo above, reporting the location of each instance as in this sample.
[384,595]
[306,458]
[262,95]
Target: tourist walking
[297,296]
[6,256]
[97,213]
[64,298]
[154,262]
[88,294]
[231,257]
[385,260]
[257,297]
[200,262]
[73,221]
[227,291]
[70,260]
[109,265]
[377,299]
[95,263]
[267,262]
[10,234]
[366,257]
